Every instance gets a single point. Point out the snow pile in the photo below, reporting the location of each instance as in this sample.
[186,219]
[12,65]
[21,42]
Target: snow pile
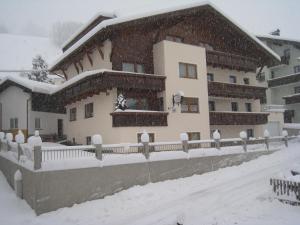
[216,135]
[145,137]
[20,139]
[243,135]
[284,133]
[2,136]
[184,137]
[97,139]
[35,140]
[9,137]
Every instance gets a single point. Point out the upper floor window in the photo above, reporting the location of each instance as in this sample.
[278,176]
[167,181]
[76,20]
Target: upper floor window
[187,70]
[234,106]
[190,105]
[37,123]
[232,79]
[13,123]
[73,114]
[212,106]
[297,69]
[133,67]
[246,81]
[272,74]
[210,77]
[193,136]
[89,110]
[297,89]
[174,38]
[248,107]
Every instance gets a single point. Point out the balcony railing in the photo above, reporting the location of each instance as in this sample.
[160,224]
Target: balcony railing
[284,80]
[139,119]
[236,91]
[292,99]
[238,118]
[230,61]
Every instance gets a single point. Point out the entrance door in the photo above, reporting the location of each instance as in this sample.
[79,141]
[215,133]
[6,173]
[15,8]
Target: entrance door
[60,128]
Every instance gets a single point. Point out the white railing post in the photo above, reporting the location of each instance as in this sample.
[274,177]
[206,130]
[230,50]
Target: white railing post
[36,143]
[97,142]
[285,137]
[217,137]
[184,139]
[145,141]
[20,139]
[243,136]
[267,136]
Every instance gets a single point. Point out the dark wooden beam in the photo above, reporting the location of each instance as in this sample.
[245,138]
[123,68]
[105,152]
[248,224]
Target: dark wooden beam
[100,51]
[80,64]
[89,58]
[76,67]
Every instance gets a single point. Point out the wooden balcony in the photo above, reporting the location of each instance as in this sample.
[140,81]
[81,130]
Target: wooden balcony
[106,80]
[218,89]
[292,99]
[139,119]
[289,79]
[237,118]
[230,61]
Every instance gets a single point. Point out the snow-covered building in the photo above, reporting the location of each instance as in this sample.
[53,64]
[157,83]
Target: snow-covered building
[284,79]
[184,69]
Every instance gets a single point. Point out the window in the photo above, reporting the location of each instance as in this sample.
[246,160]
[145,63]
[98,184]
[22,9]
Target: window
[232,79]
[151,137]
[297,89]
[37,123]
[13,123]
[248,107]
[210,77]
[132,67]
[73,114]
[250,133]
[297,69]
[212,106]
[137,103]
[187,70]
[234,106]
[190,105]
[89,110]
[246,81]
[174,38]
[193,135]
[88,140]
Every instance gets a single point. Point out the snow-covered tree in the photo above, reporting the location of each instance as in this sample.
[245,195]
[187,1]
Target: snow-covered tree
[62,31]
[39,70]
[121,102]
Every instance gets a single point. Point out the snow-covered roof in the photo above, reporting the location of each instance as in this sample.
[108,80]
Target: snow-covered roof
[32,85]
[85,26]
[124,19]
[17,51]
[273,37]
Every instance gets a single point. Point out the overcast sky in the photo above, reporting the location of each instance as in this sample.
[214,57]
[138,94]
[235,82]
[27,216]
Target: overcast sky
[257,16]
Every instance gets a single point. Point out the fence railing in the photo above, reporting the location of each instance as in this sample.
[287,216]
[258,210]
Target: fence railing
[287,191]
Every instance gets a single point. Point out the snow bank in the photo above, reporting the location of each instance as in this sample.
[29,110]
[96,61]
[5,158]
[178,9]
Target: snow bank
[243,135]
[20,139]
[9,137]
[266,134]
[145,137]
[284,133]
[216,135]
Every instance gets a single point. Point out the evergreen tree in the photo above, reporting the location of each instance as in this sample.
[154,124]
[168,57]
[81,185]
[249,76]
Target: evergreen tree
[39,70]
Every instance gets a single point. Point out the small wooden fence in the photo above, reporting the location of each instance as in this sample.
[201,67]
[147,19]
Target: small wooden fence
[286,190]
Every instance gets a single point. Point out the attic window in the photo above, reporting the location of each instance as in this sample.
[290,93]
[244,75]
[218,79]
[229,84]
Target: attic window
[174,38]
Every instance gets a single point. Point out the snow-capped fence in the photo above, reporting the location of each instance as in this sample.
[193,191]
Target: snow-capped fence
[286,190]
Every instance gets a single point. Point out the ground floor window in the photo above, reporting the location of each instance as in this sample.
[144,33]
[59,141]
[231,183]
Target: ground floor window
[88,140]
[250,133]
[194,136]
[151,137]
[13,123]
[190,105]
[37,123]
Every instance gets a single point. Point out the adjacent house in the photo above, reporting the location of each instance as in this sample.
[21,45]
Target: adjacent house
[185,69]
[284,79]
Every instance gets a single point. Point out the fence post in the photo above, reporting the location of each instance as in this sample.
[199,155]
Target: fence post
[20,139]
[267,136]
[8,145]
[145,141]
[217,137]
[18,184]
[37,157]
[97,142]
[285,137]
[243,136]
[184,140]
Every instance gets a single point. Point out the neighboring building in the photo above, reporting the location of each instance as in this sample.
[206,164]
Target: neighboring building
[191,55]
[26,105]
[284,79]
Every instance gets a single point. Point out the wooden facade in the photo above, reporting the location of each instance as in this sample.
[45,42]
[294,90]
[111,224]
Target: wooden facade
[237,118]
[284,80]
[139,119]
[219,89]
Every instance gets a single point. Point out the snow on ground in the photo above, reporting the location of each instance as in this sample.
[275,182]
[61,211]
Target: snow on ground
[234,195]
[17,51]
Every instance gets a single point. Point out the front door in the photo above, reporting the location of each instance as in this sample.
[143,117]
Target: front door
[60,128]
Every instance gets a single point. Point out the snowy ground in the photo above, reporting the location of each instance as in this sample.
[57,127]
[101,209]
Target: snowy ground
[234,195]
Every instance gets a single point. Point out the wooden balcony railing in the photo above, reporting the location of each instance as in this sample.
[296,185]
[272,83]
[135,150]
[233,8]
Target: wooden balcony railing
[292,99]
[103,81]
[236,91]
[230,61]
[284,80]
[237,118]
[139,119]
